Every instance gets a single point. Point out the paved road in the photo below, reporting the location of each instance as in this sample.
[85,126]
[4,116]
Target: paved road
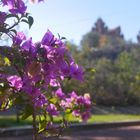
[123,133]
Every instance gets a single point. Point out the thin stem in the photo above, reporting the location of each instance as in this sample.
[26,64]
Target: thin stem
[35,134]
[13,26]
[17,114]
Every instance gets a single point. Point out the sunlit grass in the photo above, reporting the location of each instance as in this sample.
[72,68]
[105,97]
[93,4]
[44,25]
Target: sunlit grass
[113,118]
[11,121]
[6,121]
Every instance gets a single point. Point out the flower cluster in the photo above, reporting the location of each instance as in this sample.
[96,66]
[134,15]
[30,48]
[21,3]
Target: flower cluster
[16,6]
[2,17]
[79,105]
[39,70]
[46,64]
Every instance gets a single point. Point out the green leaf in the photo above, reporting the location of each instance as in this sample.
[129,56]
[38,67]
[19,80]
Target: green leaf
[14,31]
[3,89]
[63,38]
[24,20]
[7,61]
[68,117]
[53,100]
[27,112]
[42,126]
[19,100]
[6,104]
[68,111]
[90,70]
[27,14]
[30,21]
[12,15]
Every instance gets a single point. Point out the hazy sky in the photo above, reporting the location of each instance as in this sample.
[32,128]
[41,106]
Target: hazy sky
[74,18]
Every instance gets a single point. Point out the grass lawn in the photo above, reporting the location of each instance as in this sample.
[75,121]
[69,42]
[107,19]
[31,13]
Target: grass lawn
[6,121]
[113,118]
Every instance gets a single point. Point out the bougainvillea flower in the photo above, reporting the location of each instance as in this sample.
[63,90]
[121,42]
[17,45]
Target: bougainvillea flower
[4,2]
[48,38]
[39,71]
[66,103]
[85,116]
[39,99]
[60,94]
[54,83]
[29,47]
[2,17]
[52,110]
[76,113]
[17,40]
[34,1]
[15,81]
[80,100]
[73,95]
[15,6]
[76,72]
[87,101]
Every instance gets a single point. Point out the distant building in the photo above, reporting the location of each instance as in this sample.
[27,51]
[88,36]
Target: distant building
[102,29]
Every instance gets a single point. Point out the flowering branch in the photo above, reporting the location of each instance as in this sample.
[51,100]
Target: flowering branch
[40,70]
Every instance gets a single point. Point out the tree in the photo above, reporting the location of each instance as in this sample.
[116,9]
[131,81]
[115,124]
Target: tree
[115,80]
[91,39]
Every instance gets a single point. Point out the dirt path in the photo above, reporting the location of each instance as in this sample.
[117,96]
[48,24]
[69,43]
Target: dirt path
[124,133]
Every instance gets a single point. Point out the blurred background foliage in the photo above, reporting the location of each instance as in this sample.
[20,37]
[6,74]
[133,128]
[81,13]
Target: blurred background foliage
[111,65]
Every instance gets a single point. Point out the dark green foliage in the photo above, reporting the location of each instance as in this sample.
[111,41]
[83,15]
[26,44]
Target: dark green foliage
[116,78]
[91,39]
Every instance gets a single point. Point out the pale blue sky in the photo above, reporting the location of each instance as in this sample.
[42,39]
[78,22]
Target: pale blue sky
[74,18]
